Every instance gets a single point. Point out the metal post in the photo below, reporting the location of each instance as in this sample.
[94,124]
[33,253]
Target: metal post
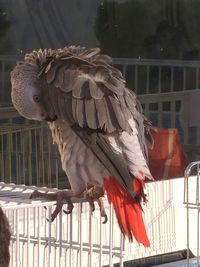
[189,204]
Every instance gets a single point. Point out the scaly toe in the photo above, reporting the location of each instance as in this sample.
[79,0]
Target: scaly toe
[88,193]
[102,210]
[92,206]
[59,205]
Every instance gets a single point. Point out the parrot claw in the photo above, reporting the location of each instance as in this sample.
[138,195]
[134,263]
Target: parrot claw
[101,206]
[50,220]
[70,207]
[67,211]
[105,219]
[102,210]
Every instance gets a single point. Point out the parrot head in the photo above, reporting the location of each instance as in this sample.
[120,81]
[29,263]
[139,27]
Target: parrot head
[26,94]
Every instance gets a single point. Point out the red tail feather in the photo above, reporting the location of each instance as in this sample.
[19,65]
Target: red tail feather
[128,212]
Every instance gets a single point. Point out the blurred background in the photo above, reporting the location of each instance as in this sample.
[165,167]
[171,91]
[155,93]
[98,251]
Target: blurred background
[132,29]
[155,43]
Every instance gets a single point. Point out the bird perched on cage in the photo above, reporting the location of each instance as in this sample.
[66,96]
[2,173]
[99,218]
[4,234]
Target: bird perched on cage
[98,125]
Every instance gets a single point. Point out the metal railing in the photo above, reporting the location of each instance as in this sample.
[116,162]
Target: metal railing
[192,204]
[144,76]
[7,63]
[28,156]
[149,76]
[167,110]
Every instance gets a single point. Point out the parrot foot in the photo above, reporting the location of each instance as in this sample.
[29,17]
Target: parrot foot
[95,193]
[61,197]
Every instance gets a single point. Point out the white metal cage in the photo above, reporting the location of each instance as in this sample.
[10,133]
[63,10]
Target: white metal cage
[80,239]
[74,240]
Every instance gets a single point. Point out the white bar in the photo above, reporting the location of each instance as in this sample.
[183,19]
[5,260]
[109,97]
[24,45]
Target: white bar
[28,233]
[90,241]
[100,242]
[111,238]
[49,234]
[39,235]
[60,238]
[122,244]
[70,240]
[17,239]
[80,234]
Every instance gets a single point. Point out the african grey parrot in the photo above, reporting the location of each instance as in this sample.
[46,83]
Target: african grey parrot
[98,125]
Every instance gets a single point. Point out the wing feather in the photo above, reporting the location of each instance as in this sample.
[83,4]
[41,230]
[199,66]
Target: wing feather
[90,53]
[66,108]
[69,77]
[51,74]
[80,113]
[108,126]
[74,105]
[93,91]
[125,110]
[91,114]
[117,111]
[101,113]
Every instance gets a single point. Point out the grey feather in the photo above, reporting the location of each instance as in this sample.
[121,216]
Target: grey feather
[78,87]
[117,112]
[74,104]
[101,113]
[95,91]
[90,53]
[111,122]
[51,75]
[124,108]
[91,114]
[113,162]
[80,113]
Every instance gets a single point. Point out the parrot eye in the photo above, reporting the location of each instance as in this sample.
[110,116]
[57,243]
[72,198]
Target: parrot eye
[36,98]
